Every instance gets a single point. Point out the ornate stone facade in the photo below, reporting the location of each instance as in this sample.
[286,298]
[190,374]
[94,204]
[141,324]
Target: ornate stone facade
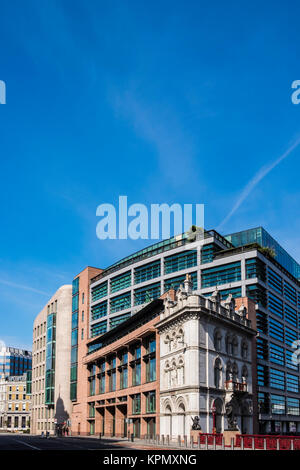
[205,364]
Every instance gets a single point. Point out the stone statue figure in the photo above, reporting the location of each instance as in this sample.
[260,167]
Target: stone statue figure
[196,424]
[231,416]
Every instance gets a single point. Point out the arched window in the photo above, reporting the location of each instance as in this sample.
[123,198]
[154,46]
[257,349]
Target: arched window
[180,337]
[244,349]
[168,343]
[244,372]
[168,374]
[180,371]
[181,422]
[217,340]
[228,371]
[218,372]
[235,372]
[234,345]
[229,344]
[168,413]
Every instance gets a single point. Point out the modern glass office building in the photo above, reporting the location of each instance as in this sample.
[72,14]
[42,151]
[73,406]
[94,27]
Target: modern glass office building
[238,264]
[14,361]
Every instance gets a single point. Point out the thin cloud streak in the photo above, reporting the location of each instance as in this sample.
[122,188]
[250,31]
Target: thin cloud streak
[21,286]
[264,171]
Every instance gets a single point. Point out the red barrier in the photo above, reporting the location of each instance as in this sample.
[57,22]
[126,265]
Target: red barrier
[272,442]
[210,439]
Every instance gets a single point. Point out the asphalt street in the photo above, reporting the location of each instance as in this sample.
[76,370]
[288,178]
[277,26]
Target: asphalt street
[27,442]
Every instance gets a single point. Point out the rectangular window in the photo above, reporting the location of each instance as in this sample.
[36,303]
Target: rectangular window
[255,268]
[275,305]
[92,380]
[290,315]
[275,281]
[290,336]
[290,293]
[277,404]
[91,410]
[74,337]
[146,294]
[120,282]
[146,272]
[120,302]
[115,321]
[99,291]
[75,303]
[136,404]
[175,282]
[124,378]
[221,274]
[112,381]
[276,379]
[293,406]
[102,383]
[276,354]
[289,360]
[292,383]
[74,320]
[262,322]
[276,329]
[262,349]
[75,286]
[151,402]
[257,293]
[151,369]
[99,310]
[185,260]
[98,329]
[208,252]
[136,374]
[262,376]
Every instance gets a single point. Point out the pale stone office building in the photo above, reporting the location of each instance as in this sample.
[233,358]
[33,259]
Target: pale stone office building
[206,360]
[15,404]
[51,405]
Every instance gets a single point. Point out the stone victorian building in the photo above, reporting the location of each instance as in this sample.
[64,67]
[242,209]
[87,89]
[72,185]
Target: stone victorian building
[207,354]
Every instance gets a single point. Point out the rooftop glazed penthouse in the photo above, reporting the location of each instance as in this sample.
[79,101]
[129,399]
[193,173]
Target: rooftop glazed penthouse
[249,264]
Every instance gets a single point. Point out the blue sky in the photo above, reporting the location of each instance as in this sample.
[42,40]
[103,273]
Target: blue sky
[162,101]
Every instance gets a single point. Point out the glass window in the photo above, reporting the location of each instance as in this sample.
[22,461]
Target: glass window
[292,383]
[221,274]
[175,282]
[293,406]
[275,281]
[146,272]
[115,321]
[180,261]
[120,302]
[99,291]
[276,379]
[151,370]
[277,404]
[99,310]
[120,282]
[151,402]
[275,305]
[136,404]
[276,354]
[98,329]
[255,268]
[147,294]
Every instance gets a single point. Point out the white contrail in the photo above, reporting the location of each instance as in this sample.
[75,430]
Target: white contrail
[256,179]
[22,286]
